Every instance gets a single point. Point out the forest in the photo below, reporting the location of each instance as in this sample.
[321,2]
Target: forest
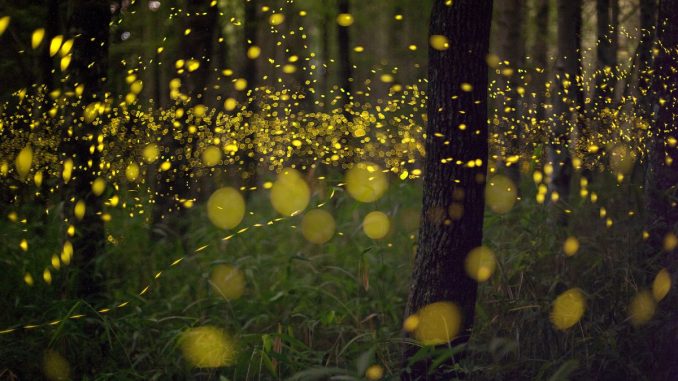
[225,190]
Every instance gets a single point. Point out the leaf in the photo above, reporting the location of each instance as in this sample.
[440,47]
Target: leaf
[563,373]
[317,374]
[364,361]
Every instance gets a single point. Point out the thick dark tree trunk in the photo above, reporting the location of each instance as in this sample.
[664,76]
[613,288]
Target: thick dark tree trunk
[567,105]
[90,23]
[443,242]
[511,47]
[662,183]
[345,68]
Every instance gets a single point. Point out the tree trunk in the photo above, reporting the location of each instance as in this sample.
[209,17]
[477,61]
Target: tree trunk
[177,184]
[51,30]
[662,184]
[648,22]
[90,23]
[249,172]
[511,48]
[607,12]
[444,243]
[567,105]
[345,68]
[540,56]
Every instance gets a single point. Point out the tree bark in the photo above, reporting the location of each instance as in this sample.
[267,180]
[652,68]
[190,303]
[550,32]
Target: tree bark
[567,105]
[249,172]
[662,183]
[607,12]
[540,56]
[511,48]
[89,23]
[345,67]
[444,243]
[648,23]
[177,183]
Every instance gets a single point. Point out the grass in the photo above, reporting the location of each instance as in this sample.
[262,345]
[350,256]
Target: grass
[312,312]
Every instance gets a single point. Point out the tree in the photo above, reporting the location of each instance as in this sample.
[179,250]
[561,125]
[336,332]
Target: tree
[540,56]
[510,48]
[662,181]
[607,12]
[195,47]
[89,24]
[648,22]
[457,95]
[251,25]
[345,67]
[567,105]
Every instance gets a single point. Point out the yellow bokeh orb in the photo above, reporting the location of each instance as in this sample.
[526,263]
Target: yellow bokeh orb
[376,225]
[132,172]
[79,210]
[318,226]
[23,161]
[151,153]
[439,323]
[661,285]
[411,323]
[439,42]
[211,156]
[571,246]
[207,347]
[55,366]
[642,308]
[98,186]
[622,159]
[228,282]
[226,208]
[276,19]
[480,264]
[345,19]
[290,194]
[500,194]
[374,372]
[568,308]
[365,182]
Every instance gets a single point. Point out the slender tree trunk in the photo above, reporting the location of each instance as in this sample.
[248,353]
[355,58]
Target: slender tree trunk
[648,22]
[177,183]
[345,66]
[662,184]
[607,12]
[444,243]
[540,56]
[249,172]
[567,105]
[90,23]
[511,48]
[51,30]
